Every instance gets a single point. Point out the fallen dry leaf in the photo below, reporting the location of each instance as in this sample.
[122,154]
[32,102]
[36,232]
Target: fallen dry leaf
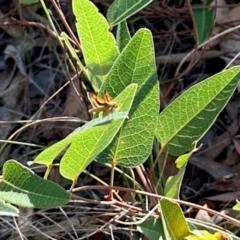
[220,18]
[215,169]
[203,215]
[221,142]
[226,19]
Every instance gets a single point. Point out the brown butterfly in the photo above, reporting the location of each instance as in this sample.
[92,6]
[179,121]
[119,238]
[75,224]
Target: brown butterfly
[103,104]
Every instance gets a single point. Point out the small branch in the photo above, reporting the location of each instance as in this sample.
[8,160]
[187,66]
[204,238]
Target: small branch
[178,57]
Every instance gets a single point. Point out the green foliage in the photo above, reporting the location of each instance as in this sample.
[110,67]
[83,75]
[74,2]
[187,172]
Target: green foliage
[126,69]
[173,184]
[237,207]
[203,19]
[98,43]
[171,226]
[47,156]
[123,35]
[7,209]
[189,116]
[91,142]
[28,2]
[133,144]
[20,186]
[120,10]
[88,141]
[174,223]
[152,228]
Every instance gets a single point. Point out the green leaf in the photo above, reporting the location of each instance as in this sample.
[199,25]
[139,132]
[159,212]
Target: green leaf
[98,44]
[174,183]
[7,209]
[28,2]
[174,219]
[120,10]
[236,207]
[123,35]
[152,229]
[47,156]
[189,116]
[20,186]
[89,143]
[136,64]
[203,19]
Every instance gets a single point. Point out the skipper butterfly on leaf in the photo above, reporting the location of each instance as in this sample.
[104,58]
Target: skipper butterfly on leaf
[103,104]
